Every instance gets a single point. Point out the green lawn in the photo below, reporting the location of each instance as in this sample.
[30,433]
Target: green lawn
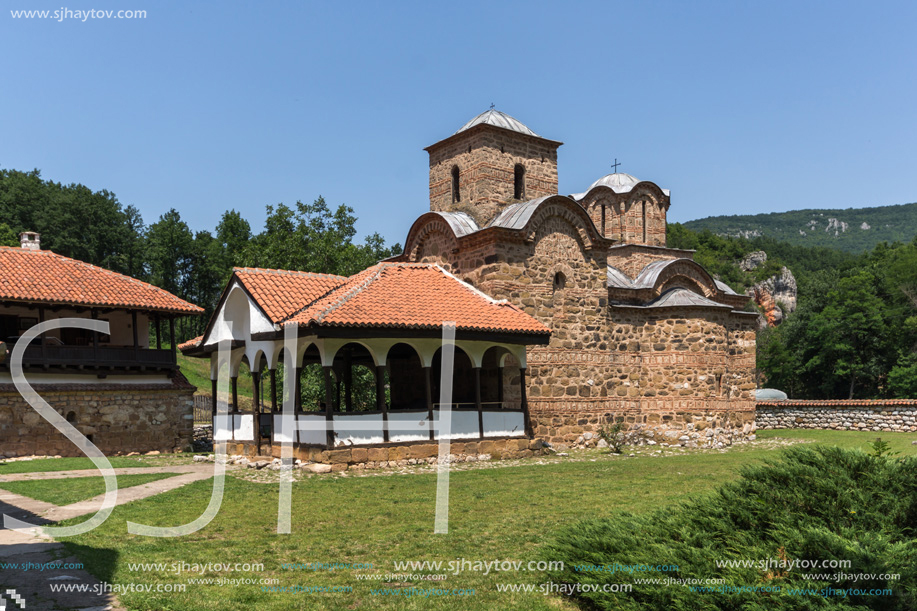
[66,464]
[495,514]
[66,491]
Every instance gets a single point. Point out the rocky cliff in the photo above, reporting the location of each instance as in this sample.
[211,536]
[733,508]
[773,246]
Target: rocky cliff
[776,296]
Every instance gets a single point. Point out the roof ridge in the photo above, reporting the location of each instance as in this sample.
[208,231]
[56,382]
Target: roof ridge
[285,271]
[355,290]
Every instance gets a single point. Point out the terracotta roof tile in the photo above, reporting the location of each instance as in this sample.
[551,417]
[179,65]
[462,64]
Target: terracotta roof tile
[282,293]
[414,295]
[41,276]
[191,343]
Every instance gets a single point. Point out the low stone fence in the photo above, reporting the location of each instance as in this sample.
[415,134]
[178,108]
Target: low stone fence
[841,415]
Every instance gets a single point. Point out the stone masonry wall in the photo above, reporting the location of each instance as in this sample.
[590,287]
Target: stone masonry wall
[123,419]
[399,455]
[892,415]
[486,158]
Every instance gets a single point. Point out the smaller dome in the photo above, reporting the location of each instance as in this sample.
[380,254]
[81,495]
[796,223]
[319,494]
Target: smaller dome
[616,181]
[770,394]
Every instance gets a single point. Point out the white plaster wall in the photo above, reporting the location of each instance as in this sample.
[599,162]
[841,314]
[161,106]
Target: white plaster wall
[504,424]
[244,315]
[410,421]
[464,425]
[369,432]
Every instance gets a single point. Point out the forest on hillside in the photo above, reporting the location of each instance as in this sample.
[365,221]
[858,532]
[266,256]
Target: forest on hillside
[93,226]
[854,230]
[853,334]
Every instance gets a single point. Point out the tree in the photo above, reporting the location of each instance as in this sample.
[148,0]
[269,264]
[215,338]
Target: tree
[170,251]
[313,238]
[233,235]
[8,237]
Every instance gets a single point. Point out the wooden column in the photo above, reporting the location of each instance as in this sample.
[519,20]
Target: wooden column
[213,399]
[41,338]
[329,407]
[274,391]
[235,394]
[500,386]
[380,400]
[158,333]
[428,385]
[297,389]
[348,381]
[136,335]
[525,403]
[95,339]
[256,410]
[477,401]
[172,339]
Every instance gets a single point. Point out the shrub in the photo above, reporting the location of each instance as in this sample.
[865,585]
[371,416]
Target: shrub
[613,434]
[822,504]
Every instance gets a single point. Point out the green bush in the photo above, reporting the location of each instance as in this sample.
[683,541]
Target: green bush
[822,504]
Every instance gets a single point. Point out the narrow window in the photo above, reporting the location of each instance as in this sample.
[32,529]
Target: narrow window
[644,221]
[456,191]
[519,182]
[603,220]
[560,281]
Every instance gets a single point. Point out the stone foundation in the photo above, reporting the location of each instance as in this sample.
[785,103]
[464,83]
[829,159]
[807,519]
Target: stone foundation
[892,415]
[396,455]
[691,426]
[116,418]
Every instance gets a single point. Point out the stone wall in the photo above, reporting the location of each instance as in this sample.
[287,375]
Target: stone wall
[398,455]
[116,418]
[486,158]
[854,415]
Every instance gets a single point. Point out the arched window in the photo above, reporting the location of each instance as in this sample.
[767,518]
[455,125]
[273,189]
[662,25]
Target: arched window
[456,190]
[560,281]
[519,182]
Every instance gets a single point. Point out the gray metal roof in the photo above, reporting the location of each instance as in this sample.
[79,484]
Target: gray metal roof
[498,119]
[461,223]
[647,278]
[770,394]
[724,287]
[517,215]
[618,182]
[680,298]
[618,279]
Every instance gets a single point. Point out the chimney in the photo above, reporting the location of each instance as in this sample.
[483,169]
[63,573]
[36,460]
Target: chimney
[30,240]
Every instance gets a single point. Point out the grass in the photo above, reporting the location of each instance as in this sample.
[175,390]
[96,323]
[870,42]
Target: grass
[495,514]
[73,490]
[197,372]
[42,465]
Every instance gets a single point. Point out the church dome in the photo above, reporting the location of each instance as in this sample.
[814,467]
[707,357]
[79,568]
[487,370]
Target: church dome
[618,181]
[498,119]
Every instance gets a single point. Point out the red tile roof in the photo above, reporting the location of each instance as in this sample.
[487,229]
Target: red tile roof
[191,343]
[282,293]
[41,276]
[414,296]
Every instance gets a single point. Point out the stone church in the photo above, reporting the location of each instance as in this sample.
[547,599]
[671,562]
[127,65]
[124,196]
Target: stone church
[640,333]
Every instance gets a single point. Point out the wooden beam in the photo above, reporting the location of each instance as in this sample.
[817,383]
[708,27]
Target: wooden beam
[136,335]
[95,337]
[172,339]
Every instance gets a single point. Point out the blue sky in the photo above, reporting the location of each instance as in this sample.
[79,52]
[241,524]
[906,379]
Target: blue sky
[737,107]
